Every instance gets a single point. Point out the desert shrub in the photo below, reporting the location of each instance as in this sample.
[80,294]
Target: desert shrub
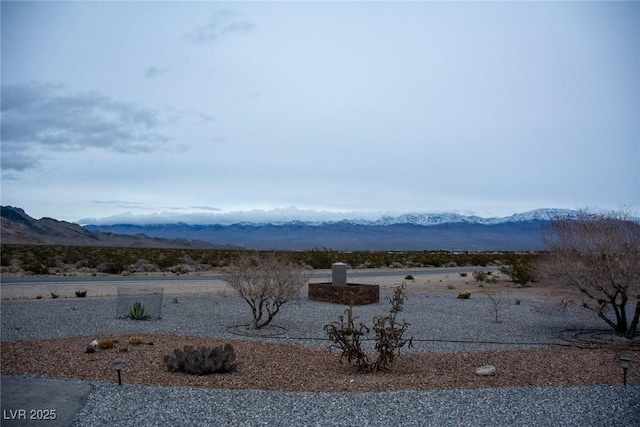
[321,258]
[491,279]
[106,344]
[112,267]
[464,295]
[36,268]
[266,282]
[54,295]
[5,260]
[495,297]
[599,256]
[136,340]
[346,337]
[463,274]
[138,312]
[480,276]
[81,293]
[519,270]
[408,277]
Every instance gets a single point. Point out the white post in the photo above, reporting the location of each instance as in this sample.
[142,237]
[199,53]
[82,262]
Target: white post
[339,274]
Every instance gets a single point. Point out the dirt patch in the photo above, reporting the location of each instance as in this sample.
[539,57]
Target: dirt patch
[268,366]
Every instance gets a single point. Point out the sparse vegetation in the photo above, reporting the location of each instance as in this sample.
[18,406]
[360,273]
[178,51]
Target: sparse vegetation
[81,293]
[266,281]
[136,340]
[600,256]
[495,297]
[138,312]
[519,269]
[42,259]
[464,295]
[106,344]
[346,337]
[54,295]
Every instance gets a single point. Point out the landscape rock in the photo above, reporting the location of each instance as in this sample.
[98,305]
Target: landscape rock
[486,370]
[92,346]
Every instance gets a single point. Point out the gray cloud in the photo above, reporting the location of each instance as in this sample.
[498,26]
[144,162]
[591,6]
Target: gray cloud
[153,72]
[220,24]
[206,208]
[40,115]
[122,204]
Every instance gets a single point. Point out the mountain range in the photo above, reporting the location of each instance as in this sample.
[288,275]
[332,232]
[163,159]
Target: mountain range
[19,228]
[453,232]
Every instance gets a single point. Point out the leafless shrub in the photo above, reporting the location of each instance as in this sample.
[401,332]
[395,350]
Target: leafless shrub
[266,282]
[495,297]
[389,336]
[600,256]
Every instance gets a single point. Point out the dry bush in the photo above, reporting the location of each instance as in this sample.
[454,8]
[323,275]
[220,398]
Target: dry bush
[136,340]
[106,344]
[266,282]
[600,256]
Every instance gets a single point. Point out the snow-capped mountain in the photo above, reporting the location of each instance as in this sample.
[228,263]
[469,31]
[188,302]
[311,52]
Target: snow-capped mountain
[429,219]
[426,231]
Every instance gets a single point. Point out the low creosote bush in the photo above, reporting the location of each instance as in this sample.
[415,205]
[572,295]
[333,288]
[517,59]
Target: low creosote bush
[389,336]
[464,295]
[54,295]
[480,276]
[106,344]
[81,293]
[136,340]
[138,312]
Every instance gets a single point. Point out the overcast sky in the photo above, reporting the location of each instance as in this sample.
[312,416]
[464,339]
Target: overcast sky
[168,109]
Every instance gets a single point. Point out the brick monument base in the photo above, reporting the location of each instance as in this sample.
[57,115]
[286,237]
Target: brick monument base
[352,293]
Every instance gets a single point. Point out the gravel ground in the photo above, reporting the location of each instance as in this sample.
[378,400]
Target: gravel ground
[567,406]
[439,325]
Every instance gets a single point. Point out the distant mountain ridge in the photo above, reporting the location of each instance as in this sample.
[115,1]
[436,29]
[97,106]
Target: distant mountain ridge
[518,232]
[428,231]
[19,228]
[429,219]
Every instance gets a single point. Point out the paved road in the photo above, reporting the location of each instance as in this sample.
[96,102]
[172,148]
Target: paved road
[318,275]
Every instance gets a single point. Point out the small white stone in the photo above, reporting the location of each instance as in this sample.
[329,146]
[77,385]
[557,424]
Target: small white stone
[486,370]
